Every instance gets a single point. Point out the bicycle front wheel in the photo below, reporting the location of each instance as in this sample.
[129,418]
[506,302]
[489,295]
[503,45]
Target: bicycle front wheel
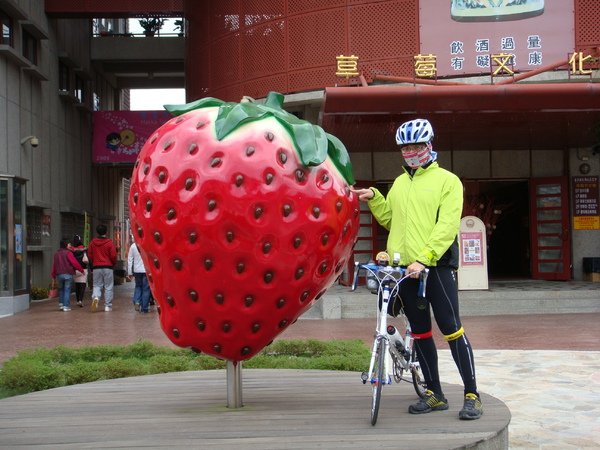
[417,375]
[377,380]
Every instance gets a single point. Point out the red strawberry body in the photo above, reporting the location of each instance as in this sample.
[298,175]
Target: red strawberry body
[238,236]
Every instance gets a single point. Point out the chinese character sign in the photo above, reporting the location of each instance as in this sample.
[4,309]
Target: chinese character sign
[472,253]
[347,66]
[120,135]
[465,34]
[586,214]
[425,66]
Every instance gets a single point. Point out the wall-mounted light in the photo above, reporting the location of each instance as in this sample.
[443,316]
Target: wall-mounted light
[33,140]
[584,168]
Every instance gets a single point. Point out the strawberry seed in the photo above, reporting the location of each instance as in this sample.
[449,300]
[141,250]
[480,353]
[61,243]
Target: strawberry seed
[193,148]
[177,263]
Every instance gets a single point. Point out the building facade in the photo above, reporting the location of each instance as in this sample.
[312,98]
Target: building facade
[512,92]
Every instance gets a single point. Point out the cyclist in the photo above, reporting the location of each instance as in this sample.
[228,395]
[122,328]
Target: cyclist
[422,212]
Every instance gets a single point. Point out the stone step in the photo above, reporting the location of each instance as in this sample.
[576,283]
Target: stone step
[341,303]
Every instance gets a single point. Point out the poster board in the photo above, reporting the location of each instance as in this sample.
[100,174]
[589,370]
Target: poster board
[472,272]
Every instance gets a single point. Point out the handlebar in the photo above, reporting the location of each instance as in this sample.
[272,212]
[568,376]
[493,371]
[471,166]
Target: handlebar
[390,273]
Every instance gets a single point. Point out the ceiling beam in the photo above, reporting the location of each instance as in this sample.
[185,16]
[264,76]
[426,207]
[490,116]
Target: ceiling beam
[113,8]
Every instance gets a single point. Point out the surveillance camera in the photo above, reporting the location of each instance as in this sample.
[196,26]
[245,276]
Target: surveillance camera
[34,142]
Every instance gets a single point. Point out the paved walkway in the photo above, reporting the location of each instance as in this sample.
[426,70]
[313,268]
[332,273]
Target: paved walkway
[545,368]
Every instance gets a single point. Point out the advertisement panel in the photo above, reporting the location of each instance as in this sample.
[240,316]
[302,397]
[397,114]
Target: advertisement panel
[120,135]
[464,34]
[586,213]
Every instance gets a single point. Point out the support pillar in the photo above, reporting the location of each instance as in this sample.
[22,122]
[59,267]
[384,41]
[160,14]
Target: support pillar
[234,384]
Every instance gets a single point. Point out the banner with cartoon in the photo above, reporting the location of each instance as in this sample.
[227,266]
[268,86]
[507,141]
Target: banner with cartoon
[120,135]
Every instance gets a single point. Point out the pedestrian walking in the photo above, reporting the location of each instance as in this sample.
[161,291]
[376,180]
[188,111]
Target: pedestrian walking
[64,266]
[80,279]
[102,255]
[136,270]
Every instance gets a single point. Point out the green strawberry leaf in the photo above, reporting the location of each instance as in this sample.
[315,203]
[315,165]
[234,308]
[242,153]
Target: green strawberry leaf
[312,143]
[207,102]
[340,157]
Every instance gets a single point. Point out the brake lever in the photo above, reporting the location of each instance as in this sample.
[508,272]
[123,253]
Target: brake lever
[355,281]
[422,293]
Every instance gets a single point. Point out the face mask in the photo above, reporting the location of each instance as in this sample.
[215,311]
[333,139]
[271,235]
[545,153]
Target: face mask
[417,158]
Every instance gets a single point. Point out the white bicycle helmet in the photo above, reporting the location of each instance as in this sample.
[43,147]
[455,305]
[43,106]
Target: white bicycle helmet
[418,131]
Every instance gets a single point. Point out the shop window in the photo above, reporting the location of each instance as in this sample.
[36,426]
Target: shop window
[79,89]
[34,225]
[30,47]
[71,224]
[7,29]
[97,103]
[64,77]
[13,256]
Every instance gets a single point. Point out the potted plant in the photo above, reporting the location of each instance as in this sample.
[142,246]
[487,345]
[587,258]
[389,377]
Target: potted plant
[151,25]
[179,27]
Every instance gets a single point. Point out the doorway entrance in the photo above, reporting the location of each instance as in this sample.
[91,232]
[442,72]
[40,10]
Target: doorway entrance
[503,206]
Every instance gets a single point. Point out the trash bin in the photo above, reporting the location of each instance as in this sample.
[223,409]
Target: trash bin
[591,269]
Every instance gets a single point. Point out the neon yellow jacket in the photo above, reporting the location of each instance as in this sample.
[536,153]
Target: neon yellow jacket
[422,214]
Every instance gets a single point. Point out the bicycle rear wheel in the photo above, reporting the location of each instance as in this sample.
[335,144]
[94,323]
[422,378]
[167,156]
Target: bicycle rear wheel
[417,375]
[377,380]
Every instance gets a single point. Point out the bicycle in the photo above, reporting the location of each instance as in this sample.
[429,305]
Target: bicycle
[393,355]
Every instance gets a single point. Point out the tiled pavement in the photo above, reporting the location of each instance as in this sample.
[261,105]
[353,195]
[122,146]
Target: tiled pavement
[545,368]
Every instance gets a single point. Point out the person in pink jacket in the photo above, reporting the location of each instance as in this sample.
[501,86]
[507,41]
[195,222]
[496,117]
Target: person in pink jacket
[102,255]
[64,266]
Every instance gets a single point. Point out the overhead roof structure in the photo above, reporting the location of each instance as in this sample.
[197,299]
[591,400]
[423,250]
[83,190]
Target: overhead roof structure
[468,117]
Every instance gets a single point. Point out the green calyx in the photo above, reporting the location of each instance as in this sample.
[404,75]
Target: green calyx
[312,143]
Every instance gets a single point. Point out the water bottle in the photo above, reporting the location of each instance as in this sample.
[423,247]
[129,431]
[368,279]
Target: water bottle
[395,339]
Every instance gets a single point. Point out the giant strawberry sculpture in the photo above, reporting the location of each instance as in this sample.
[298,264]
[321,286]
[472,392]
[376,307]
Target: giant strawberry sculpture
[244,217]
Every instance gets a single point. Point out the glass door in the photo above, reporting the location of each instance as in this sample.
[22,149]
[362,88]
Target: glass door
[550,234]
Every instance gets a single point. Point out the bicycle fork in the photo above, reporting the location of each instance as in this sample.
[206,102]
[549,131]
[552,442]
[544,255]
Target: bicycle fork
[381,343]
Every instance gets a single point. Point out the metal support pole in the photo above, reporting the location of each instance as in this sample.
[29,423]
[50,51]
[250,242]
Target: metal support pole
[234,384]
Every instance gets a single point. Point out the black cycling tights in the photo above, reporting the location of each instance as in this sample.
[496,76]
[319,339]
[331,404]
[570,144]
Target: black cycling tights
[442,295]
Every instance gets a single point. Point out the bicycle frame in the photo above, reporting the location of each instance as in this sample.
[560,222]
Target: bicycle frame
[392,358]
[387,276]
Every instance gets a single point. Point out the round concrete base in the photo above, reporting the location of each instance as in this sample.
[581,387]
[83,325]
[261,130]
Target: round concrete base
[282,409]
